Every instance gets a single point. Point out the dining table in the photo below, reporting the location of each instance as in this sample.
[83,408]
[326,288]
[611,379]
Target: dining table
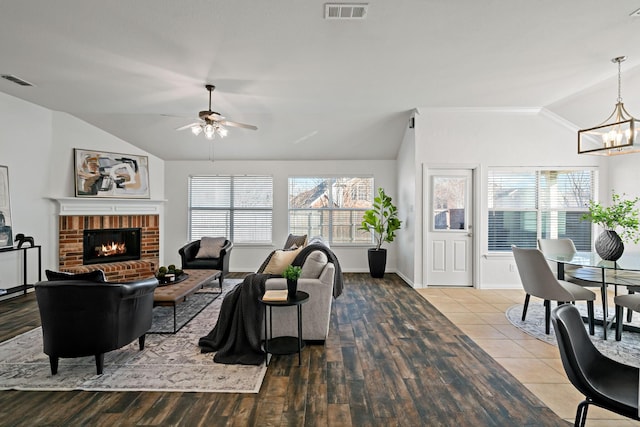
[592,268]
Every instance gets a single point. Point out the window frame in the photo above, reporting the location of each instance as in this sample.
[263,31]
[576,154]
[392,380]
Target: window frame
[538,209]
[231,209]
[329,210]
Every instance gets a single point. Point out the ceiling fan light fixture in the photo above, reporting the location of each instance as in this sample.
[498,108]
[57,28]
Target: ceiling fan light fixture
[616,135]
[196,129]
[209,131]
[212,123]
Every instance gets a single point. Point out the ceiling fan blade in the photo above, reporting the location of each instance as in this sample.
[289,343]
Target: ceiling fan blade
[188,126]
[216,117]
[238,125]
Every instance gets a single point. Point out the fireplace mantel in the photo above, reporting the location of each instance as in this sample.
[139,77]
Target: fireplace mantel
[108,206]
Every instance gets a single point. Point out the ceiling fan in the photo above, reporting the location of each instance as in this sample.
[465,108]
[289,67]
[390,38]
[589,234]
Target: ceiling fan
[212,123]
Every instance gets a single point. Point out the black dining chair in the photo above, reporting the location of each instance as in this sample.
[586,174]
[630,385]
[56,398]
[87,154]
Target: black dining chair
[604,382]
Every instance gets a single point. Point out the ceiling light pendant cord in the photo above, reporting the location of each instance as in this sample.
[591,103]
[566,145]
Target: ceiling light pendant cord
[619,61]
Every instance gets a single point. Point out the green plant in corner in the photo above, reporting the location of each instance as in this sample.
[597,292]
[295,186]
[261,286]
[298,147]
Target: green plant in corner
[621,214]
[382,220]
[292,272]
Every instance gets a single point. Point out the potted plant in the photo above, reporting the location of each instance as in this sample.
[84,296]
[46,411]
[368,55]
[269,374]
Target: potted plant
[621,215]
[292,273]
[382,220]
[169,274]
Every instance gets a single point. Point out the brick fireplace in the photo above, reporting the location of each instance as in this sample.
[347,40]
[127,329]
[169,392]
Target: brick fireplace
[78,216]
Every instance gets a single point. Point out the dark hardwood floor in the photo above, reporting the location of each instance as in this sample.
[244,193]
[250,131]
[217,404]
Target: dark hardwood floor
[391,359]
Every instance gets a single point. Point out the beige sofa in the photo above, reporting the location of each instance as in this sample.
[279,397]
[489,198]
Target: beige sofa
[317,280]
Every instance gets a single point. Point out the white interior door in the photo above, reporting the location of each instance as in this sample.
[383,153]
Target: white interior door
[449,211]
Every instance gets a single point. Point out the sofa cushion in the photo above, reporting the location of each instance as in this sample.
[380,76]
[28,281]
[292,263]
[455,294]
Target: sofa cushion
[279,260]
[294,242]
[210,247]
[313,265]
[92,276]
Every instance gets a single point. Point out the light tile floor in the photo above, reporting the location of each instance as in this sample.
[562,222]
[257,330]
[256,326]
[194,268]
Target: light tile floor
[481,315]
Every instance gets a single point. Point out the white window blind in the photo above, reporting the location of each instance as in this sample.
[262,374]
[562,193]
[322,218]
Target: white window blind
[526,205]
[330,207]
[239,207]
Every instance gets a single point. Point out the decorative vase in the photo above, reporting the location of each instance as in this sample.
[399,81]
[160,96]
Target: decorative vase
[292,287]
[377,262]
[609,245]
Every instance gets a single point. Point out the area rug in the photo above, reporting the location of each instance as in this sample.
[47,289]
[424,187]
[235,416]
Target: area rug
[169,363]
[626,351]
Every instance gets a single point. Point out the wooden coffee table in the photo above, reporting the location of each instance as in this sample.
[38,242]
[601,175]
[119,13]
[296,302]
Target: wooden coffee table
[174,294]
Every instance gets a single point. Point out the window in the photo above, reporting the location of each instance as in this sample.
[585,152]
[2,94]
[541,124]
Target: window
[237,207]
[330,207]
[526,205]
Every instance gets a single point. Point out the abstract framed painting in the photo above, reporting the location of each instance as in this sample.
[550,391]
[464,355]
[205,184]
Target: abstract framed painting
[6,233]
[116,175]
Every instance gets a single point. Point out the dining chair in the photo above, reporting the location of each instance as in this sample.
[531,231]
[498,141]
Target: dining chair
[538,280]
[631,302]
[631,289]
[604,382]
[583,276]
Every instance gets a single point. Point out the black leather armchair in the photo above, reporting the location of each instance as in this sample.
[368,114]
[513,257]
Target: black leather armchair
[188,255]
[604,382]
[84,318]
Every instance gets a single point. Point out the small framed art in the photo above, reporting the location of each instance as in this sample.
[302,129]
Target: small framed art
[6,234]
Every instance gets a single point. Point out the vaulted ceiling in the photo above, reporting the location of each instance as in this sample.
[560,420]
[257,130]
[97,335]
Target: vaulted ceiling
[316,88]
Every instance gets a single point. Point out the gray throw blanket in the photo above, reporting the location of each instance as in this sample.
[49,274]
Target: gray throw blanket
[236,336]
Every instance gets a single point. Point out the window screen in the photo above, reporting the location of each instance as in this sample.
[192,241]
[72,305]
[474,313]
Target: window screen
[330,207]
[526,205]
[237,207]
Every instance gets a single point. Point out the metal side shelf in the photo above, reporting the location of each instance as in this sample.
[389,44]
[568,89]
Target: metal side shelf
[25,285]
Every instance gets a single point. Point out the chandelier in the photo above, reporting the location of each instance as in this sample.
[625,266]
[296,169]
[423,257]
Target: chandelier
[616,135]
[210,129]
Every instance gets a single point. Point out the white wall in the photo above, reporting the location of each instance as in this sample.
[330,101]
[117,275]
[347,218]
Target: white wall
[37,146]
[624,178]
[406,242]
[248,258]
[486,138]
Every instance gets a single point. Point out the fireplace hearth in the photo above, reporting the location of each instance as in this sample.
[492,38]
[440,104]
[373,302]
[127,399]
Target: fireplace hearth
[101,246]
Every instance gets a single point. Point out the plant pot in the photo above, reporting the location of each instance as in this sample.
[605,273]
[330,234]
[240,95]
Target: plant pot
[292,287]
[377,262]
[609,245]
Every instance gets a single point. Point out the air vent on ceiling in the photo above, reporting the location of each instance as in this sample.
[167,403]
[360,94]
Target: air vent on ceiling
[16,80]
[345,10]
[635,13]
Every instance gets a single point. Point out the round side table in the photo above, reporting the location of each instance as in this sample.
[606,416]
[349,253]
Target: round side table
[286,344]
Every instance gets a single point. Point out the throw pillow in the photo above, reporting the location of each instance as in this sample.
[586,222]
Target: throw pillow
[279,260]
[210,247]
[91,276]
[313,265]
[298,241]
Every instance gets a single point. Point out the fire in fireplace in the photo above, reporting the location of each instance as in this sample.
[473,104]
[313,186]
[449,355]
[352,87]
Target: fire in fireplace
[110,245]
